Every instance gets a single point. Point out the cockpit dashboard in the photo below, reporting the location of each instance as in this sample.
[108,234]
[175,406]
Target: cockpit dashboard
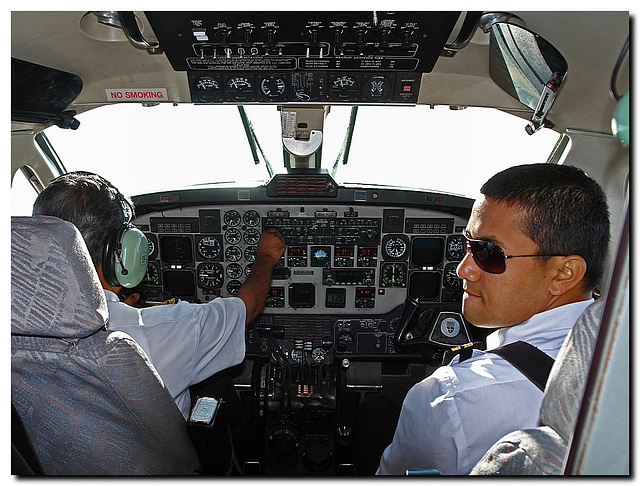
[353,256]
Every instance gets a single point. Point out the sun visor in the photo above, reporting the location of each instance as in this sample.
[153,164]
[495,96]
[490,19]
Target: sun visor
[40,94]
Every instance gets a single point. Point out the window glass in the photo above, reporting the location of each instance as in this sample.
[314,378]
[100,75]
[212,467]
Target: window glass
[146,149]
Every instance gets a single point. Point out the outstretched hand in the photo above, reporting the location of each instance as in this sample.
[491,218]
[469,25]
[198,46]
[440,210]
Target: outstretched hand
[254,290]
[271,246]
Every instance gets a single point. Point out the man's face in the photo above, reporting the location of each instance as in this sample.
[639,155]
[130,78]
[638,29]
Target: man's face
[512,297]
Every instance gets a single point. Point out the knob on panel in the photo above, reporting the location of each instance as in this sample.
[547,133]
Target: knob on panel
[283,442]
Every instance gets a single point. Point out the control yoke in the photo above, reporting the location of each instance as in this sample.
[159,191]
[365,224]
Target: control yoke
[430,330]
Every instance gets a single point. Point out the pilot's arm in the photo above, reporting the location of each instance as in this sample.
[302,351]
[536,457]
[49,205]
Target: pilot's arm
[255,289]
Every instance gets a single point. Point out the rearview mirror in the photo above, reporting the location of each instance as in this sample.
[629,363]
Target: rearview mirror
[527,67]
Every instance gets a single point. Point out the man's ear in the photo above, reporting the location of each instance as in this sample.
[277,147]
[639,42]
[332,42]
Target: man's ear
[569,273]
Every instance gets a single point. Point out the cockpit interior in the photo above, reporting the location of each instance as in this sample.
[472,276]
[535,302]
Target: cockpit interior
[366,299]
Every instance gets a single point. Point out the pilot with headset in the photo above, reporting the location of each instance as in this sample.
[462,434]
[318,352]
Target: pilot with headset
[185,342]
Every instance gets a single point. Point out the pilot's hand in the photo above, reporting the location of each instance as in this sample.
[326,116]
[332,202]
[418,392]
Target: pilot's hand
[132,300]
[271,246]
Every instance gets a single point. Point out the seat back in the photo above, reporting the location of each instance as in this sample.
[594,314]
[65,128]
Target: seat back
[542,450]
[90,400]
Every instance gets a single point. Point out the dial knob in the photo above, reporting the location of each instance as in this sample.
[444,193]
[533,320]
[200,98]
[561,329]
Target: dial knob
[283,442]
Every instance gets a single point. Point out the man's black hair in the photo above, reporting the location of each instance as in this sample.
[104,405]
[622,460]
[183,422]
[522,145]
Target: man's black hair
[567,211]
[88,201]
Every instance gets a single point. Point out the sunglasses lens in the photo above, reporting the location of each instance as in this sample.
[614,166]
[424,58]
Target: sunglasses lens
[487,255]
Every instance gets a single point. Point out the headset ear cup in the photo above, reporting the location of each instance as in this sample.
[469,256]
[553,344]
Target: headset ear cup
[109,256]
[131,263]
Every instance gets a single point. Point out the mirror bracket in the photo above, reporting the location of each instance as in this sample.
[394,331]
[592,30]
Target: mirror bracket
[544,104]
[490,18]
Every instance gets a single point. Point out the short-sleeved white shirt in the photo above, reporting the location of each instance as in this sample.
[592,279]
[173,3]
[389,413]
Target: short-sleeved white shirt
[185,342]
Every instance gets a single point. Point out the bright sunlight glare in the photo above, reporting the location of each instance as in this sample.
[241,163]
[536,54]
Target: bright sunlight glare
[147,149]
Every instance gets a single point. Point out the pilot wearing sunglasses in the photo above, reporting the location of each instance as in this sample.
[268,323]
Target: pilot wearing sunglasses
[536,242]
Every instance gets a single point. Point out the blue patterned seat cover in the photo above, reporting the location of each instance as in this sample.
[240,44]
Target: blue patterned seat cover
[90,399]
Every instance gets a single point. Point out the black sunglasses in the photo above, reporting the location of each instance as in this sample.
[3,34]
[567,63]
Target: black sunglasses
[489,256]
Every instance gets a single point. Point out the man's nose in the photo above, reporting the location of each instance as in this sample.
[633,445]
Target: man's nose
[467,269]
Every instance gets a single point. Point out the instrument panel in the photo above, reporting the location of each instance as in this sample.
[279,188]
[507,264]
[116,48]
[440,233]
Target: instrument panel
[293,56]
[341,257]
[341,284]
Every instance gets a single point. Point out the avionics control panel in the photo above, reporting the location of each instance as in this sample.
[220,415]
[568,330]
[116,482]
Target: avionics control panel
[352,258]
[303,56]
[338,258]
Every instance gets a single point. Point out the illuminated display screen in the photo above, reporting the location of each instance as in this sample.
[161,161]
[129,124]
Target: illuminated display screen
[364,293]
[320,256]
[348,276]
[297,251]
[344,251]
[367,252]
[336,298]
[276,292]
[424,285]
[427,252]
[176,250]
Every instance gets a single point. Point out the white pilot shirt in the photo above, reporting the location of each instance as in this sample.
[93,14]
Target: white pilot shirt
[185,342]
[451,418]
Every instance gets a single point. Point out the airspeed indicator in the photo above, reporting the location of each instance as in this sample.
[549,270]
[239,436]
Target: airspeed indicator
[395,247]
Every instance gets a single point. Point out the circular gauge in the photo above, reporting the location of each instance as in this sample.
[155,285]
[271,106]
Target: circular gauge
[250,253]
[344,87]
[318,355]
[451,279]
[151,242]
[233,254]
[209,247]
[234,270]
[455,247]
[393,275]
[233,286]
[247,269]
[296,355]
[395,247]
[206,89]
[252,236]
[210,275]
[251,218]
[377,88]
[233,236]
[232,218]
[273,87]
[239,88]
[152,276]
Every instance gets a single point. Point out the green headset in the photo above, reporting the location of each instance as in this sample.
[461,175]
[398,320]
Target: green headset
[126,253]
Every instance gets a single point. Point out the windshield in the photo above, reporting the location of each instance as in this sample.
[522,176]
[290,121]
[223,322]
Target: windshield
[147,149]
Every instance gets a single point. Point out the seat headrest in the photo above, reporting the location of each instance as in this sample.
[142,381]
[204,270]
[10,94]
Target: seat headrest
[55,290]
[568,377]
